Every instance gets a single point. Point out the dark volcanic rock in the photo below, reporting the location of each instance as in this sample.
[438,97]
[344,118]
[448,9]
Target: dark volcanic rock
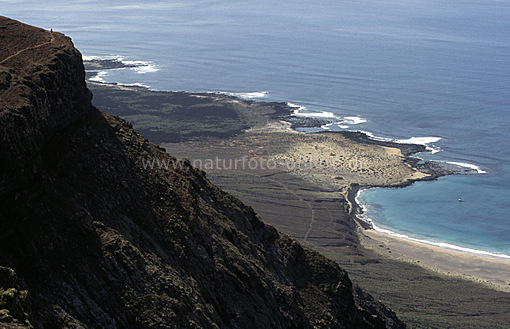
[101,241]
[14,302]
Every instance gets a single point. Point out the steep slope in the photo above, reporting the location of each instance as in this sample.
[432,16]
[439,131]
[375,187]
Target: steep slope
[98,241]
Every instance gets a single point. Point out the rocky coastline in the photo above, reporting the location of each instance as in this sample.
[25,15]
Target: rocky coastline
[315,206]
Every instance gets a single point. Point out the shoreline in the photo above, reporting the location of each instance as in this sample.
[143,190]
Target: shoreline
[442,245]
[487,269]
[493,272]
[432,169]
[317,205]
[435,169]
[357,211]
[476,266]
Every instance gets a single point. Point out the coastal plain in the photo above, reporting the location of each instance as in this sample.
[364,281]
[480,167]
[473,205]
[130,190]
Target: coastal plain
[304,185]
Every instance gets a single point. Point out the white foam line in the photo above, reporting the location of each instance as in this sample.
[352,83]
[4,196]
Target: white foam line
[134,85]
[314,114]
[289,104]
[99,77]
[468,165]
[298,111]
[363,207]
[418,140]
[88,58]
[146,69]
[372,136]
[99,58]
[425,141]
[353,120]
[443,245]
[328,126]
[247,95]
[141,67]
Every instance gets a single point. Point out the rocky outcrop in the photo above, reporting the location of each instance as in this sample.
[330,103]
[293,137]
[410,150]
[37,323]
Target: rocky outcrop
[101,240]
[14,302]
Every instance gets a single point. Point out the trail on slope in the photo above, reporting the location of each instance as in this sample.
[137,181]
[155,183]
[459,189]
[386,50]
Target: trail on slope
[308,204]
[52,38]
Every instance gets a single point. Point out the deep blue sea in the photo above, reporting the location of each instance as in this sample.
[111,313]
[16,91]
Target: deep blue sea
[435,70]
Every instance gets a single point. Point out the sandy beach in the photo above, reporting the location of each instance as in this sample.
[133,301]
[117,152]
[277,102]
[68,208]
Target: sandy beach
[383,166]
[491,271]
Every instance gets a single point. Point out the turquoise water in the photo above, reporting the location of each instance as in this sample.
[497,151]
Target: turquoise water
[398,69]
[480,221]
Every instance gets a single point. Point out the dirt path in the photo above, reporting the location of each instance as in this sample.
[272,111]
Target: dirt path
[52,38]
[308,204]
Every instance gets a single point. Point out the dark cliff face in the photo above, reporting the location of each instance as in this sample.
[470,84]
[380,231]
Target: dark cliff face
[41,92]
[98,241]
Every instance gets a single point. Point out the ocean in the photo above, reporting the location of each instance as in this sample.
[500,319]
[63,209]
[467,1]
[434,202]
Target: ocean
[426,71]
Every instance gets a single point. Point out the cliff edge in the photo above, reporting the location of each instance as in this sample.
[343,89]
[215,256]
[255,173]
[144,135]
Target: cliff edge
[91,239]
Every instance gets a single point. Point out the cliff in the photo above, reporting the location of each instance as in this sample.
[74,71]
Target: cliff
[89,238]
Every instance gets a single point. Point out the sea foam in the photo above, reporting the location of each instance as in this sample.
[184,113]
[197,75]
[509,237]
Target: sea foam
[354,120]
[118,58]
[468,165]
[422,141]
[302,111]
[99,77]
[247,95]
[136,84]
[418,140]
[141,67]
[376,138]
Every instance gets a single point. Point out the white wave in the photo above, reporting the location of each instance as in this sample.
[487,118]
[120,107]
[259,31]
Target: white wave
[89,58]
[353,120]
[422,141]
[328,126]
[299,111]
[141,85]
[296,107]
[141,67]
[364,208]
[468,165]
[343,126]
[376,138]
[99,77]
[249,95]
[418,140]
[146,69]
[105,58]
